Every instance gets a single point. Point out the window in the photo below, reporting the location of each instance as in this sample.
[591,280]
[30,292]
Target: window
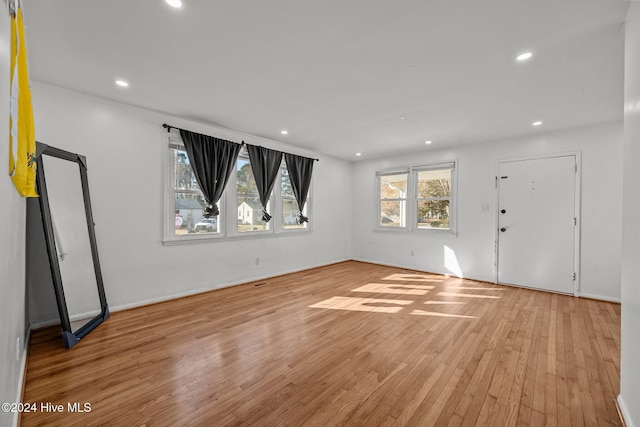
[187,198]
[248,201]
[392,196]
[240,208]
[289,204]
[434,196]
[421,196]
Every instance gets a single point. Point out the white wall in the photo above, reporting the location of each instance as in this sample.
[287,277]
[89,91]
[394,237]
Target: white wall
[630,355]
[124,147]
[601,147]
[12,248]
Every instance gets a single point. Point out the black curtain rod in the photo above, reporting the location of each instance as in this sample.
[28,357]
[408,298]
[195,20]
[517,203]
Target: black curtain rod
[169,127]
[317,160]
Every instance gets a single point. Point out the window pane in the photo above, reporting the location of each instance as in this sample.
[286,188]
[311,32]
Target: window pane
[249,207]
[433,214]
[290,215]
[287,189]
[289,204]
[435,183]
[392,214]
[393,186]
[189,219]
[184,178]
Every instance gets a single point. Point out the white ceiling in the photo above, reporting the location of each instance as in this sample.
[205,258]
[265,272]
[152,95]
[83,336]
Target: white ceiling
[339,75]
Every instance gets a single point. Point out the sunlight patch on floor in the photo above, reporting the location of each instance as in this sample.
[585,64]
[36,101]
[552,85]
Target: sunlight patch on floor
[383,305]
[392,288]
[362,304]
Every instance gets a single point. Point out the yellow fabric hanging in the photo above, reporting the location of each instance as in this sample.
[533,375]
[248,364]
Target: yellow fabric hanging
[22,141]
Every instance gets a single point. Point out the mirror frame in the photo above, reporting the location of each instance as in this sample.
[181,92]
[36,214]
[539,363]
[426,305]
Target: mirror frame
[69,337]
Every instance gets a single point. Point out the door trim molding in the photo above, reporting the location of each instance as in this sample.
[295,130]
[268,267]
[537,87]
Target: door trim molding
[577,210]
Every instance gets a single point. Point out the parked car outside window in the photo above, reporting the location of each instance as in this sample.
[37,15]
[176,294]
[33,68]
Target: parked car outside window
[207,224]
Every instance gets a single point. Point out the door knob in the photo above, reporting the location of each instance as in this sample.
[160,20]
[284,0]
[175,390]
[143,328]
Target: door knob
[503,211]
[503,229]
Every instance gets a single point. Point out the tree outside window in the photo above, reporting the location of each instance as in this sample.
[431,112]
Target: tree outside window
[434,198]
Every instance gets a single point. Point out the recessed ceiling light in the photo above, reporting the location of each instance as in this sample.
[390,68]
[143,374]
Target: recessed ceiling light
[358,154]
[401,118]
[538,123]
[122,83]
[174,3]
[428,142]
[284,132]
[524,56]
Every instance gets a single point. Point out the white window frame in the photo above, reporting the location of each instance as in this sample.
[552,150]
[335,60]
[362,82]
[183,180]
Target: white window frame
[411,211]
[233,184]
[173,142]
[280,211]
[228,218]
[379,199]
[415,170]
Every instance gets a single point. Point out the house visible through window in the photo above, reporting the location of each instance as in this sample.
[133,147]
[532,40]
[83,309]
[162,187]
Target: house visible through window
[185,202]
[188,198]
[248,201]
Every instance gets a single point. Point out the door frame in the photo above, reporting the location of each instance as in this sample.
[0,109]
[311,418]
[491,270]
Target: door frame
[577,210]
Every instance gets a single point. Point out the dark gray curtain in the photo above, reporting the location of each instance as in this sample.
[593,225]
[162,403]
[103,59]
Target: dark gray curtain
[300,171]
[212,161]
[265,164]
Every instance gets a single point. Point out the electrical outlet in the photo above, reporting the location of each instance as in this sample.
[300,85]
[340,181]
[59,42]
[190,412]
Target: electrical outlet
[412,253]
[18,349]
[257,261]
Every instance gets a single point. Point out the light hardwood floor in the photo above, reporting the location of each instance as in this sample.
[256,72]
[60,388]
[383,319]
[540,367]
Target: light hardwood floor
[308,350]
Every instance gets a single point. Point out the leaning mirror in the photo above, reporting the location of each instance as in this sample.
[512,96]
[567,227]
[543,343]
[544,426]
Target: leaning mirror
[71,242]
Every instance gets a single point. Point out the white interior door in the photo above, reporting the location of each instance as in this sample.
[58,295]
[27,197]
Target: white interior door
[537,223]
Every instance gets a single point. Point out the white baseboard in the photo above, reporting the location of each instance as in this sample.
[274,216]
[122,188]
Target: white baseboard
[127,306]
[44,324]
[21,373]
[416,268]
[389,264]
[600,297]
[87,315]
[481,279]
[625,412]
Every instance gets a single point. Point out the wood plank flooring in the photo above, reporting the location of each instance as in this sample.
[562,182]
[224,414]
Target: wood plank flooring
[351,344]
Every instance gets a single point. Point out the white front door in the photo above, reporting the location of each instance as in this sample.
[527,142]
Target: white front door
[537,223]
